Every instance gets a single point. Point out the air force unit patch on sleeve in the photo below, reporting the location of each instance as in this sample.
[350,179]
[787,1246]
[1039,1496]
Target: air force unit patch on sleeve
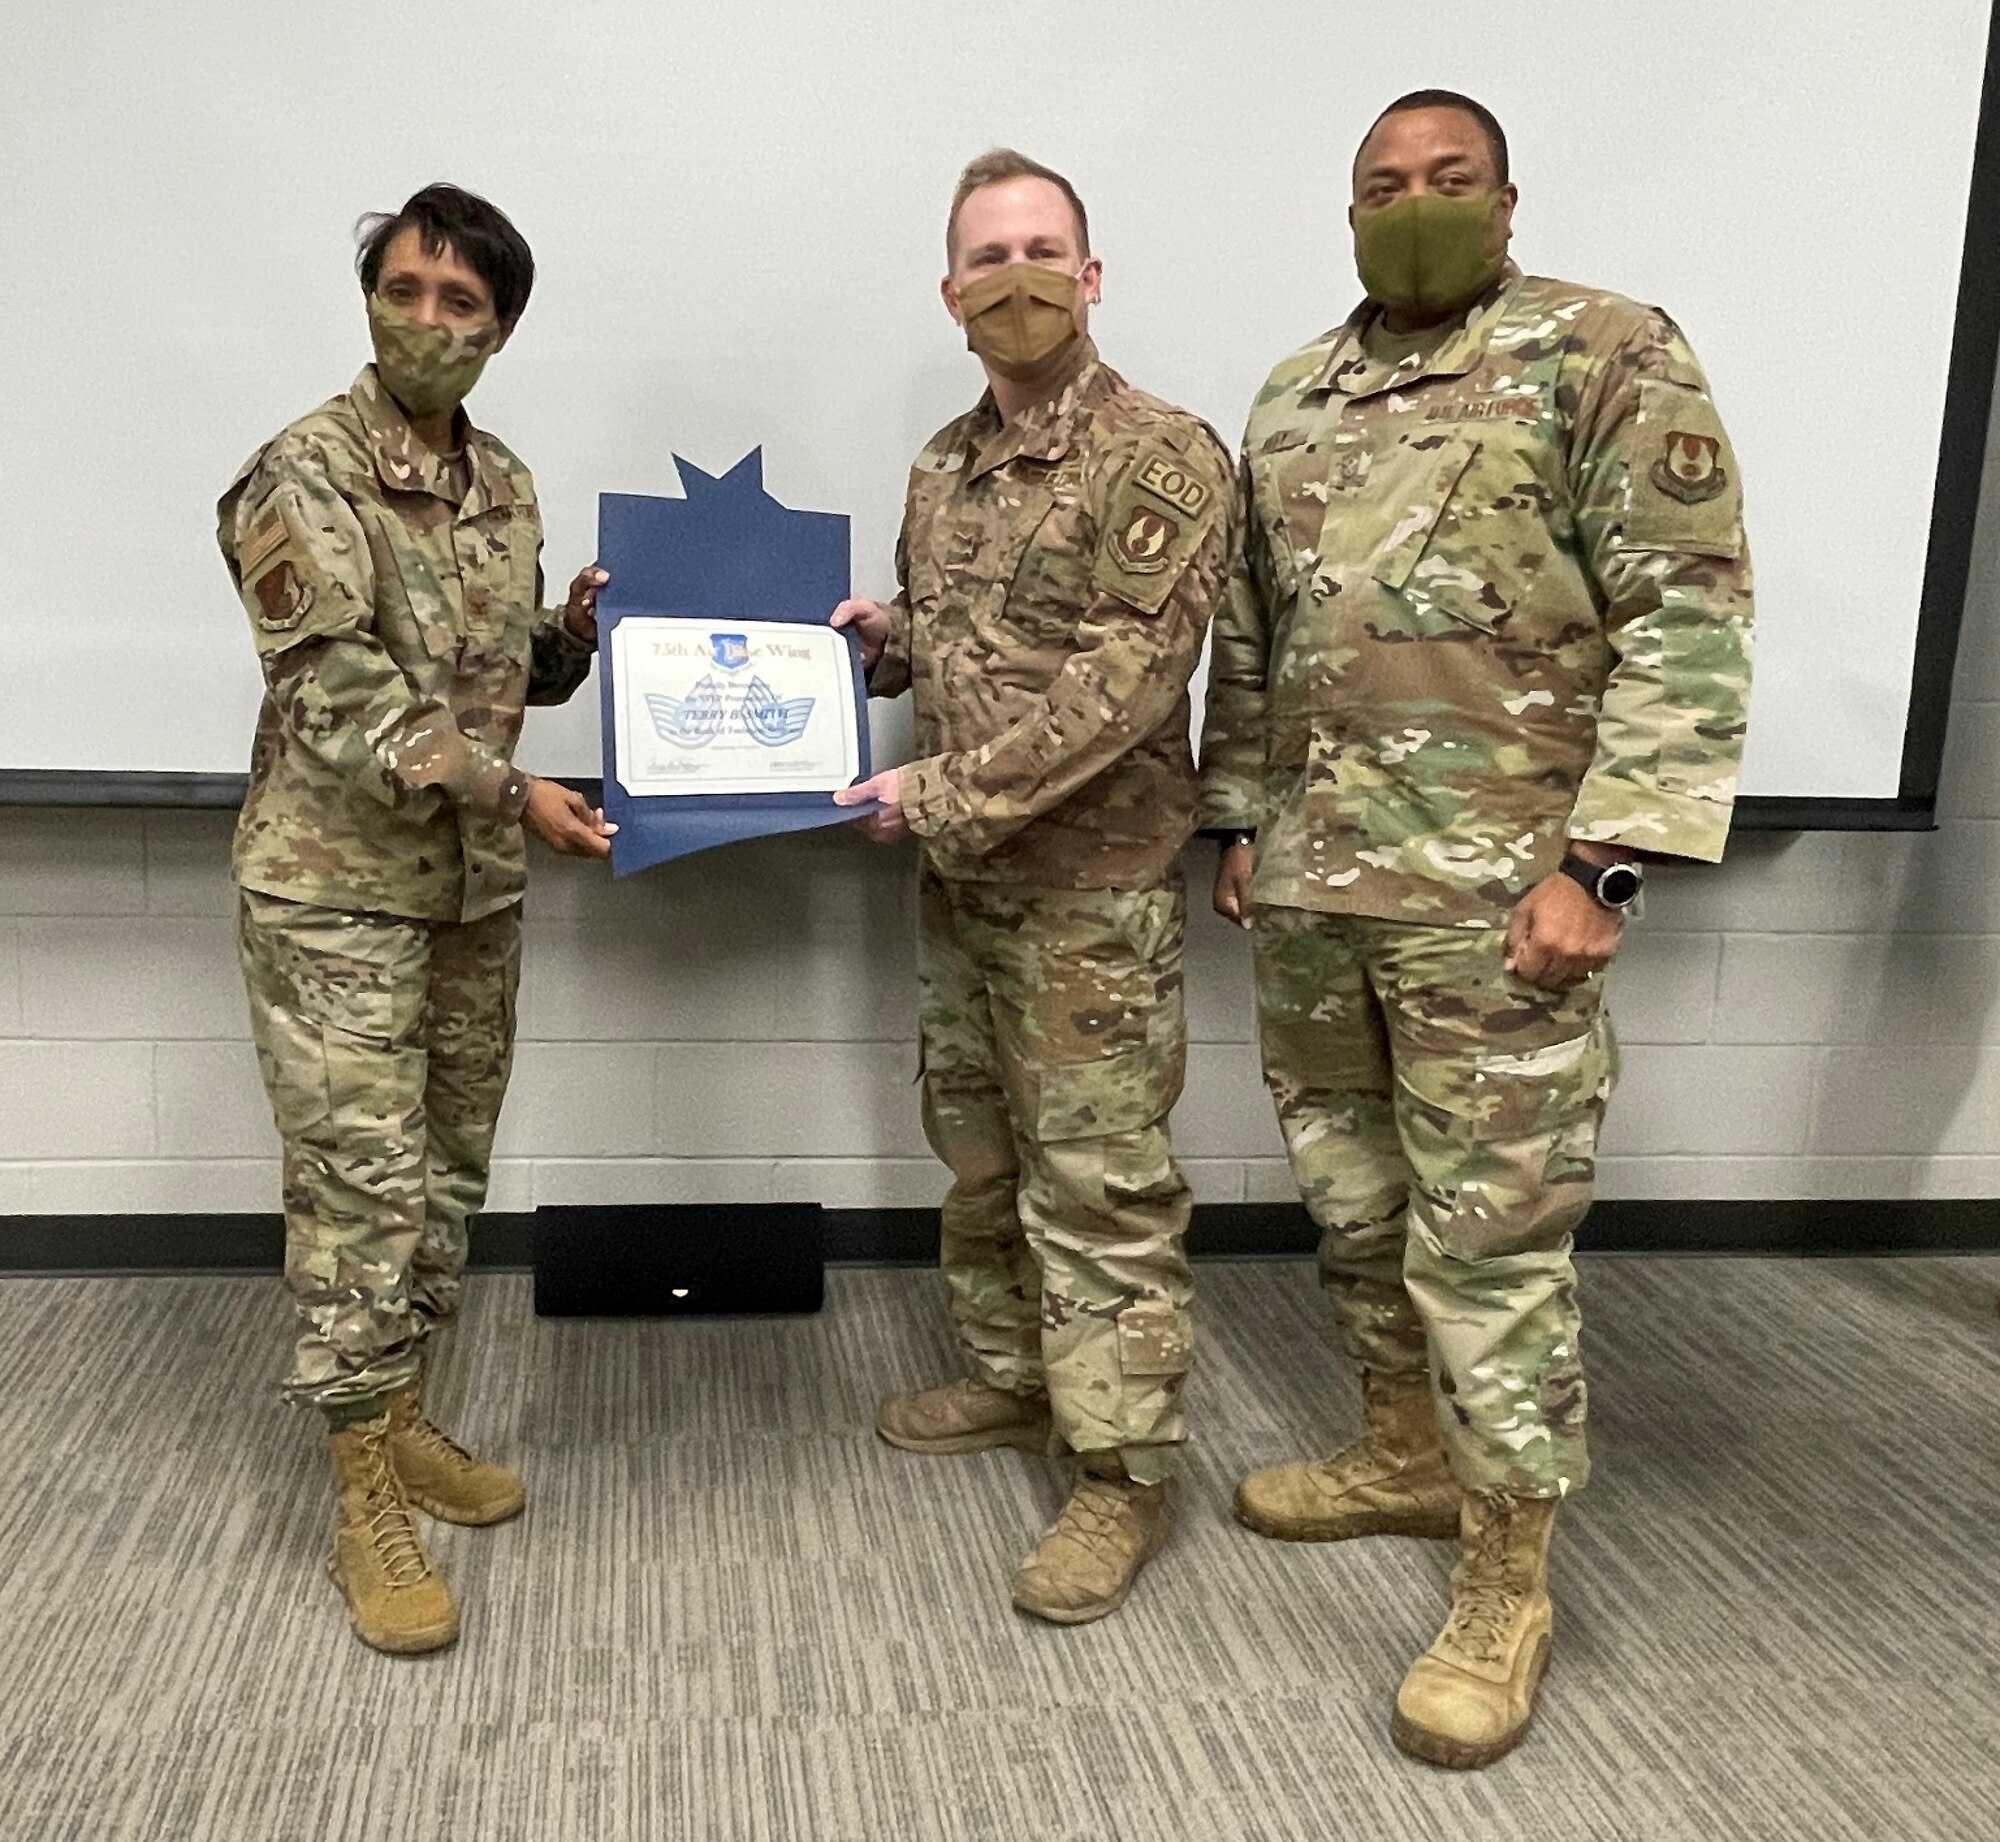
[1143,542]
[265,562]
[1691,468]
[1681,488]
[1158,515]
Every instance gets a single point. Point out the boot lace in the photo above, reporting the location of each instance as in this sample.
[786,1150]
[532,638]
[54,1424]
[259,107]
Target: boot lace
[391,1530]
[1093,1517]
[1484,1596]
[435,1439]
[1364,1461]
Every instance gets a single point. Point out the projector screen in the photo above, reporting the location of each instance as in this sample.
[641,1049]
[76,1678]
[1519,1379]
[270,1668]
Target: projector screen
[737,212]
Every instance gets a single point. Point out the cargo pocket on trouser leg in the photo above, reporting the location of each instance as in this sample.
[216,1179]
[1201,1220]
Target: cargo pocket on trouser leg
[1155,1353]
[1106,1209]
[1503,1148]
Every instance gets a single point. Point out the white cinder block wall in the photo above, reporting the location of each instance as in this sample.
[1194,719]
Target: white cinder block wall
[1818,1018]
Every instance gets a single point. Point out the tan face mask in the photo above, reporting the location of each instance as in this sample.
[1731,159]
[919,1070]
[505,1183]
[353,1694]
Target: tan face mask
[1020,317]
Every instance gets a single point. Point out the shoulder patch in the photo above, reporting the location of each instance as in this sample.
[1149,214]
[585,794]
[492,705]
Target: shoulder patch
[1150,531]
[270,566]
[1142,543]
[266,538]
[1170,480]
[1682,491]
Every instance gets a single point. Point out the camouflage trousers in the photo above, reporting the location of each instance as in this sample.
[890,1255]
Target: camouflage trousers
[1054,1046]
[385,1045]
[1441,1117]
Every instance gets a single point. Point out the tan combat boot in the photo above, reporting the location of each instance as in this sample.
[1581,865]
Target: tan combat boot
[1468,1699]
[397,1602]
[440,1476]
[964,1416]
[1085,1565]
[1393,1480]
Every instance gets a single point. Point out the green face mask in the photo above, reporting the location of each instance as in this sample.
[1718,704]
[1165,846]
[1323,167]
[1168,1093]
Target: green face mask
[1426,253]
[427,368]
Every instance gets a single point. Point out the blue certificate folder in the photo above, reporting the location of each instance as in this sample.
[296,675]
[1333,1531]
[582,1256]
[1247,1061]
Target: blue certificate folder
[727,552]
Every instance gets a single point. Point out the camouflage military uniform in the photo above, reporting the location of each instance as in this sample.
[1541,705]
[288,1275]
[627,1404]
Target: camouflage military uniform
[396,611]
[1057,577]
[1495,595]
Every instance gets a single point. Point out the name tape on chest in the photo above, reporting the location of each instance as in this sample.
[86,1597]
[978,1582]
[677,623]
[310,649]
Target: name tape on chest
[1485,409]
[1172,484]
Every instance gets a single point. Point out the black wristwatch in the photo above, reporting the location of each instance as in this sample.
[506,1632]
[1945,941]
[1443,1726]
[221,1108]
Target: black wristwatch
[1614,886]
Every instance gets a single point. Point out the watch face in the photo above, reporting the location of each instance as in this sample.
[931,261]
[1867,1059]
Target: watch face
[1618,886]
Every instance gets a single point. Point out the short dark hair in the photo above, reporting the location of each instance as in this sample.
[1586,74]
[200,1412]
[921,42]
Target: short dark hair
[1489,123]
[448,217]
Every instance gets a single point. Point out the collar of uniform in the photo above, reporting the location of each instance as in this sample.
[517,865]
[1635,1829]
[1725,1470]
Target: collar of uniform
[495,474]
[1350,372]
[405,464]
[1042,433]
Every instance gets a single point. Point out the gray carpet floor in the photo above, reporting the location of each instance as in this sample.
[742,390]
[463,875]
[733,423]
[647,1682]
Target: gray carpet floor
[731,1613]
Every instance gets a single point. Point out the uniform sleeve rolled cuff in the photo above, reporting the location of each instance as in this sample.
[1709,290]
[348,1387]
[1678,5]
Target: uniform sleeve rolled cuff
[1653,820]
[499,787]
[889,676]
[1214,815]
[579,649]
[925,798]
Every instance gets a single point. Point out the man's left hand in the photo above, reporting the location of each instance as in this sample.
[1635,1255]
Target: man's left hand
[1560,935]
[579,612]
[885,789]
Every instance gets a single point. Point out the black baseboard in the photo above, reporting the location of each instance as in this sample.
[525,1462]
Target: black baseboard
[888,1237]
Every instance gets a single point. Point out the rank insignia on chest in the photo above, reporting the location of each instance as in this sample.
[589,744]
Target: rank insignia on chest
[1348,469]
[1140,544]
[1690,469]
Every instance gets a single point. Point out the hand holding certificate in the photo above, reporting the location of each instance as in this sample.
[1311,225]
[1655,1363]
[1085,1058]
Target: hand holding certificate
[731,708]
[868,621]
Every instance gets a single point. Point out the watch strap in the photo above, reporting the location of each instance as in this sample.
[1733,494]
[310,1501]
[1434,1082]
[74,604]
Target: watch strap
[1590,876]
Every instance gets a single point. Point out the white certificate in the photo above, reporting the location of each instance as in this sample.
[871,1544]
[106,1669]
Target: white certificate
[708,706]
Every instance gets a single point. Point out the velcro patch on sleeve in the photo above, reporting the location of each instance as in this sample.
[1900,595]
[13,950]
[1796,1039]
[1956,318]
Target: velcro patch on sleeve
[270,564]
[1682,490]
[267,537]
[1173,484]
[1147,539]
